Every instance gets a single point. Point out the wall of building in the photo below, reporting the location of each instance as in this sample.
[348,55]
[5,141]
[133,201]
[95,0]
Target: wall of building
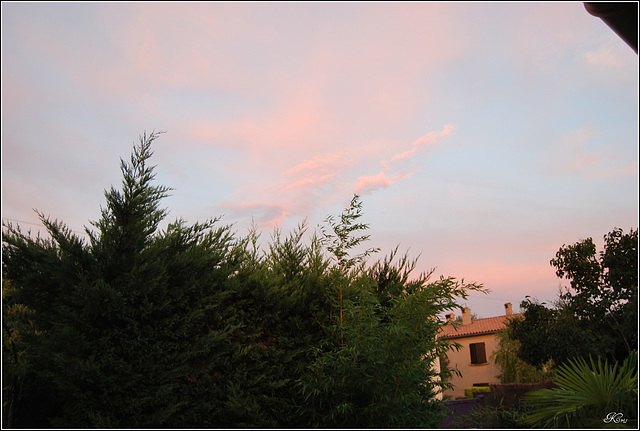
[472,373]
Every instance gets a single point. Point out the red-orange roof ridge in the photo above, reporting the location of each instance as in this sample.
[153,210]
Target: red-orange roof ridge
[486,325]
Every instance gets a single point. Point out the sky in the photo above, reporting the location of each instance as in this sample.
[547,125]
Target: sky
[480,137]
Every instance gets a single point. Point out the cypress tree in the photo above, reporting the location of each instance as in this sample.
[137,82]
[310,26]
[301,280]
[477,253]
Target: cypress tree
[127,329]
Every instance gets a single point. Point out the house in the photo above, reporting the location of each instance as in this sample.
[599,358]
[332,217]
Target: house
[479,340]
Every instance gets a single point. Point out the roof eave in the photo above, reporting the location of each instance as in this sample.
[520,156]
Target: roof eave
[474,334]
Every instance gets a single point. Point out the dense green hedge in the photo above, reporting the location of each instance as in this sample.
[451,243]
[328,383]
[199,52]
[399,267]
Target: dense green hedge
[195,327]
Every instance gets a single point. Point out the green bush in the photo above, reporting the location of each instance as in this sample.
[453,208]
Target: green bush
[494,416]
[472,391]
[193,327]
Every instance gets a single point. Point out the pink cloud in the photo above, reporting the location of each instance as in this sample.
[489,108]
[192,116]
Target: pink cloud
[405,154]
[297,104]
[298,90]
[311,181]
[586,152]
[430,138]
[609,55]
[368,184]
[326,163]
[302,189]
[278,220]
[615,173]
[265,214]
[319,171]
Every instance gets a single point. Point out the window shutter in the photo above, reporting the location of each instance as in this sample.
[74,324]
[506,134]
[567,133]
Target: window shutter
[478,354]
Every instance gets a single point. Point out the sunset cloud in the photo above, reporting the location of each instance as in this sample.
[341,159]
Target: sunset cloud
[590,154]
[430,138]
[607,56]
[371,183]
[469,128]
[264,215]
[320,174]
[311,181]
[321,164]
[324,178]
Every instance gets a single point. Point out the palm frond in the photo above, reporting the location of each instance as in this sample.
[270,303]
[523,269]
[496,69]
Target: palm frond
[587,393]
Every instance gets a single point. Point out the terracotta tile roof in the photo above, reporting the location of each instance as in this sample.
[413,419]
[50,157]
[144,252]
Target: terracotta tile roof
[488,325]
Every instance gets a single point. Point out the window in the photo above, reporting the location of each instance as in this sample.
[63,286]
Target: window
[478,355]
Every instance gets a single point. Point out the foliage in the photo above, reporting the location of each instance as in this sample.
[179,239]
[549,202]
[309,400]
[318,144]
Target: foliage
[15,355]
[551,334]
[597,315]
[513,368]
[274,297]
[376,368]
[491,416]
[587,394]
[193,326]
[604,289]
[125,326]
[471,392]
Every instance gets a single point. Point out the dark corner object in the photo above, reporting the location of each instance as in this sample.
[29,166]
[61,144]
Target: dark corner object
[622,18]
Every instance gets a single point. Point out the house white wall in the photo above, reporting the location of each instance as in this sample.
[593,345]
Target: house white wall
[472,373]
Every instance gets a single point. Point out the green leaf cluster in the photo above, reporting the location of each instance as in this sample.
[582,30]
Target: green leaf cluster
[470,392]
[553,334]
[603,293]
[514,369]
[596,315]
[588,396]
[192,326]
[376,366]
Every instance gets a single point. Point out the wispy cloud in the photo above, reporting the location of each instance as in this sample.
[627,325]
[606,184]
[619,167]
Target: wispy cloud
[326,170]
[321,181]
[587,152]
[264,215]
[607,55]
[370,183]
[311,181]
[430,138]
